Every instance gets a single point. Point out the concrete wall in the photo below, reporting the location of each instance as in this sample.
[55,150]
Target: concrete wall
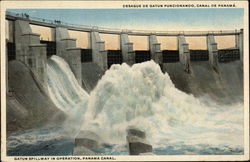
[212,51]
[99,54]
[184,53]
[24,37]
[155,49]
[128,54]
[30,51]
[66,48]
[74,60]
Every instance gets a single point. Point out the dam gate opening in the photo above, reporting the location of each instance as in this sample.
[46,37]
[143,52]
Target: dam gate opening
[86,55]
[11,51]
[50,48]
[169,56]
[142,56]
[114,57]
[227,55]
[199,55]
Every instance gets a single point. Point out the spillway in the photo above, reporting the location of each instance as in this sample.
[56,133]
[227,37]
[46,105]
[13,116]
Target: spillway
[63,88]
[141,95]
[66,93]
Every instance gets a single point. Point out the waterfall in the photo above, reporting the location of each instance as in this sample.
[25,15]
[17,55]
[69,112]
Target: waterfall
[66,93]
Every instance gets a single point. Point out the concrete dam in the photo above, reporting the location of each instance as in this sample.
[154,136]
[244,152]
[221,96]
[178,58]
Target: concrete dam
[56,84]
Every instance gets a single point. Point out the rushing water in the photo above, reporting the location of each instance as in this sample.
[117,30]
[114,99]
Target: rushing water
[141,95]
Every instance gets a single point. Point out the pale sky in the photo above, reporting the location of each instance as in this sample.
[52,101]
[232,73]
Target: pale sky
[144,19]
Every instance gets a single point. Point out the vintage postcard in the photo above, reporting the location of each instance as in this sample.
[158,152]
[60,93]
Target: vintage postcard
[124,81]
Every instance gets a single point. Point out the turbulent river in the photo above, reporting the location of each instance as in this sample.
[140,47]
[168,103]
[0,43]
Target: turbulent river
[142,96]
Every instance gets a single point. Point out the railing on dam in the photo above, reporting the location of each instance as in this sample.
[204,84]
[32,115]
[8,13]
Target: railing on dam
[11,15]
[87,28]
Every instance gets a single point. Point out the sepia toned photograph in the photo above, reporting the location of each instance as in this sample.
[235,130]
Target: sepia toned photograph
[142,81]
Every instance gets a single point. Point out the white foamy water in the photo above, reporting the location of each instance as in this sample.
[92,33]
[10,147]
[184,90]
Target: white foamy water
[144,97]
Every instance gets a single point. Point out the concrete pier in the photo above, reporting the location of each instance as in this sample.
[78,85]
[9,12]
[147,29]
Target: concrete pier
[128,54]
[212,51]
[99,54]
[184,53]
[23,37]
[11,32]
[39,62]
[240,44]
[137,143]
[74,61]
[61,33]
[63,45]
[155,49]
[88,139]
[63,41]
[85,142]
[239,41]
[66,48]
[30,51]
